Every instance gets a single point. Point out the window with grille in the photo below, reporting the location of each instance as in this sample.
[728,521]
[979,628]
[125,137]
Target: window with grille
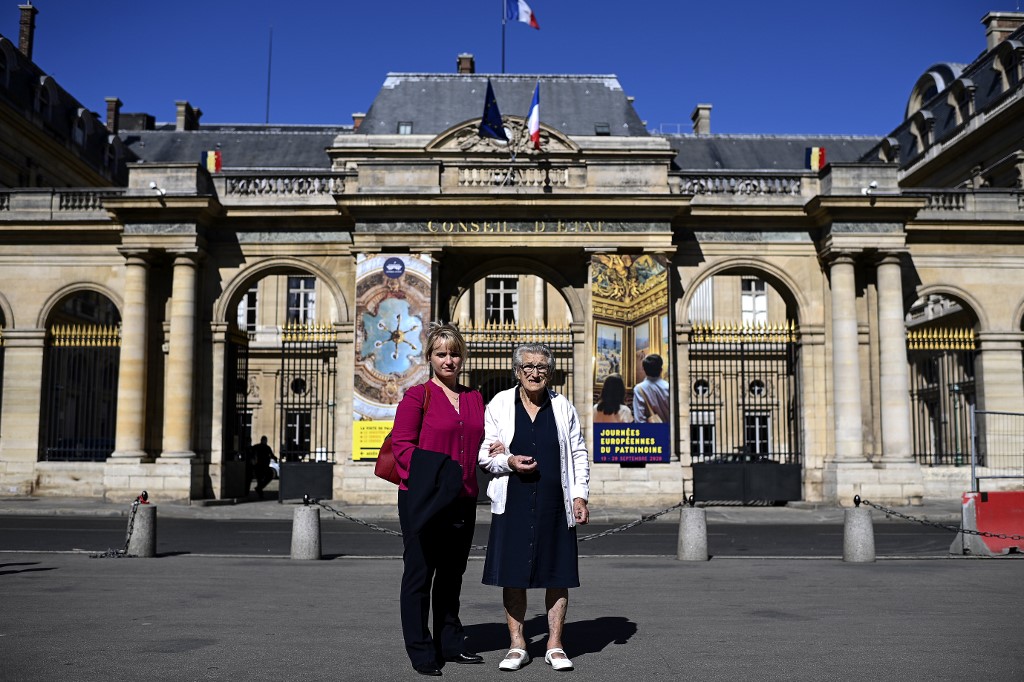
[301,300]
[702,433]
[247,311]
[756,430]
[502,298]
[754,301]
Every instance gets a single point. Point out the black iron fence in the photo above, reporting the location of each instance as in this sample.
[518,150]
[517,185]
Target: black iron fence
[942,394]
[744,395]
[307,399]
[489,365]
[79,409]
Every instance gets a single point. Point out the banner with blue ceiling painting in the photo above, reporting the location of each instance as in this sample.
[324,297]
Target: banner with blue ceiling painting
[392,313]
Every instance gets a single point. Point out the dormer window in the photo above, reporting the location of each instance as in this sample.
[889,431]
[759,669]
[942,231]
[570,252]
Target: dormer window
[80,128]
[961,100]
[46,96]
[405,127]
[1007,64]
[602,128]
[921,127]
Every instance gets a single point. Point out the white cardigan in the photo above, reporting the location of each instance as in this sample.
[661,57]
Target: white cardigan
[500,425]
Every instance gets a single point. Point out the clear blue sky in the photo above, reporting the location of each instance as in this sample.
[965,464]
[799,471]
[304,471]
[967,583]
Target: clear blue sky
[796,66]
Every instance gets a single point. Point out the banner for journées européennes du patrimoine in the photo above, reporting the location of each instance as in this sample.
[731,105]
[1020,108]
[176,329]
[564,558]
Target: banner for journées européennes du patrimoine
[632,405]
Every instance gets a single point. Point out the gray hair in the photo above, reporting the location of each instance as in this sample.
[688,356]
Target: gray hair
[536,349]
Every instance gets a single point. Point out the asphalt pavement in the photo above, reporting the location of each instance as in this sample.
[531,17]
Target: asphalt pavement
[183,616]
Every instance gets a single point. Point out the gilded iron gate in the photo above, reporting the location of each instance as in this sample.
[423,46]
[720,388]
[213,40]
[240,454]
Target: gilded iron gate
[79,407]
[745,435]
[942,394]
[307,401]
[489,365]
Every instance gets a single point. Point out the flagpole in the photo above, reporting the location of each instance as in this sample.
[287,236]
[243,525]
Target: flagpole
[270,62]
[503,35]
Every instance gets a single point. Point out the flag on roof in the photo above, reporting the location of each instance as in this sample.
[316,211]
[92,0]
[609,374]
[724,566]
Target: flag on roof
[491,124]
[518,10]
[533,118]
[212,161]
[815,158]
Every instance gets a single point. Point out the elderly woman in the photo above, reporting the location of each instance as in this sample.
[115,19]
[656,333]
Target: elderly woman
[534,446]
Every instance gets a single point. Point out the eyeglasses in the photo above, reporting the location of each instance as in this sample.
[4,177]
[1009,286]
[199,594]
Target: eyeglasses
[541,370]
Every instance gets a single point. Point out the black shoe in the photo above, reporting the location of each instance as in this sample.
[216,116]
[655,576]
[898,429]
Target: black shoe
[465,657]
[430,669]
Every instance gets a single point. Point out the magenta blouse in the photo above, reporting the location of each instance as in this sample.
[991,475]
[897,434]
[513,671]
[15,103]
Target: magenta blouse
[456,434]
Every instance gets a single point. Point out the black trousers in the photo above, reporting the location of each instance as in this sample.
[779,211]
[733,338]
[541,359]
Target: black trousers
[435,560]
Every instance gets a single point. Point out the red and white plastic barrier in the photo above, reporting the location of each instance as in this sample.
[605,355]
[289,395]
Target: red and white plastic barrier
[997,513]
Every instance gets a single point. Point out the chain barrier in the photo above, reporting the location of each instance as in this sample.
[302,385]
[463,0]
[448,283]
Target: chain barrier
[611,531]
[942,526]
[123,553]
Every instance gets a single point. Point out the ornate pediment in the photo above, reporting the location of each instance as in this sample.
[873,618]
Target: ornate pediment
[465,138]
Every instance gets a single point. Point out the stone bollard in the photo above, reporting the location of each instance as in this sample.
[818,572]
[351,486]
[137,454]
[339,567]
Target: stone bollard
[693,534]
[306,533]
[858,534]
[142,541]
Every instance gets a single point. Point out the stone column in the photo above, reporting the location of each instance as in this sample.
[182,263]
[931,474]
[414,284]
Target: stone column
[180,359]
[846,398]
[894,380]
[131,378]
[22,403]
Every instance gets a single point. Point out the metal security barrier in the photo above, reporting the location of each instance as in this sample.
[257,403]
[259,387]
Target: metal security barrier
[997,449]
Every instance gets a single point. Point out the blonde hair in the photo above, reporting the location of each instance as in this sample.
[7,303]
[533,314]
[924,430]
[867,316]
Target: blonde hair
[447,333]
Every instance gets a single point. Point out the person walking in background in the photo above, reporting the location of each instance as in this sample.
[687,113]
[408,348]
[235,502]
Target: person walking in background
[612,407]
[437,432]
[263,454]
[650,396]
[534,446]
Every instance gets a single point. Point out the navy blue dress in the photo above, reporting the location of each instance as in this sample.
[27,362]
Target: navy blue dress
[531,545]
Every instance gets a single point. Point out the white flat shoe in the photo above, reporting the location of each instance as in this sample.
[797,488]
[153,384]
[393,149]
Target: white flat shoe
[557,663]
[514,663]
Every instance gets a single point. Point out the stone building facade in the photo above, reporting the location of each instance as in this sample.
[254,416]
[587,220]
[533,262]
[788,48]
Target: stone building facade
[828,331]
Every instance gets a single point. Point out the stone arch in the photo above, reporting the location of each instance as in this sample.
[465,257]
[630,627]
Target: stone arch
[6,313]
[50,305]
[781,281]
[973,306]
[1018,316]
[515,265]
[240,283]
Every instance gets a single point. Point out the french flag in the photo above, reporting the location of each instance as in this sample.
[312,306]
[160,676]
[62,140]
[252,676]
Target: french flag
[533,118]
[518,10]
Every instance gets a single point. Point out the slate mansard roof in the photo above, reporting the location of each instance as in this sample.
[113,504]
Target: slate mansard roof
[763,152]
[433,103]
[251,147]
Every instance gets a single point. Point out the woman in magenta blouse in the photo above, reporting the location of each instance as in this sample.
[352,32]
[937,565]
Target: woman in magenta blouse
[438,429]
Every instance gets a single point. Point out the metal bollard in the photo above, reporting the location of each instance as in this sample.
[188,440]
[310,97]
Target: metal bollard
[858,534]
[142,541]
[306,532]
[693,534]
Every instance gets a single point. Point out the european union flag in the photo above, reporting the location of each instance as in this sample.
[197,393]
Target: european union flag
[491,125]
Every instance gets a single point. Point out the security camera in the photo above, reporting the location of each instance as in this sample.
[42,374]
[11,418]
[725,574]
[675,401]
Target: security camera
[872,186]
[156,188]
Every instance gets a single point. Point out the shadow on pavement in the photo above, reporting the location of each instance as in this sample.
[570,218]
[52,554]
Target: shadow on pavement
[579,637]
